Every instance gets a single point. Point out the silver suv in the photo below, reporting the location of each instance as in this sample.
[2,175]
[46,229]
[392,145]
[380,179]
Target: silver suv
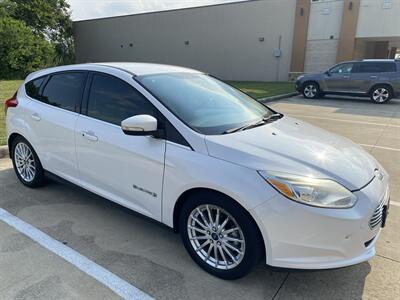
[377,79]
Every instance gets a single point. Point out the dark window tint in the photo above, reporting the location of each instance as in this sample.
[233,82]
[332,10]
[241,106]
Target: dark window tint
[112,100]
[64,90]
[375,67]
[32,87]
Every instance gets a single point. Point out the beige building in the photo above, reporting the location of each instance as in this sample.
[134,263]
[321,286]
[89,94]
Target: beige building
[263,40]
[331,31]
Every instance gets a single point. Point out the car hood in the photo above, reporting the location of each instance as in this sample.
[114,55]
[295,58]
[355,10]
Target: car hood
[296,147]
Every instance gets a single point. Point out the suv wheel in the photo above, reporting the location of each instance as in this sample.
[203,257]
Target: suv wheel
[311,90]
[381,94]
[220,236]
[26,163]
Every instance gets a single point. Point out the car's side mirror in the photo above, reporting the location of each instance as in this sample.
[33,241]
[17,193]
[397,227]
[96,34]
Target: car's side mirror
[139,125]
[327,73]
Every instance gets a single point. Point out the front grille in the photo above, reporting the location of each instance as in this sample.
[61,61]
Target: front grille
[376,218]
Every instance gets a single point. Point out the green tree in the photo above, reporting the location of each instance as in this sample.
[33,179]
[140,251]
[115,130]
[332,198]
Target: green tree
[21,50]
[50,19]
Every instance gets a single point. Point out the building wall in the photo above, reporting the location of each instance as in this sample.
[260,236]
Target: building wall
[223,40]
[379,18]
[323,34]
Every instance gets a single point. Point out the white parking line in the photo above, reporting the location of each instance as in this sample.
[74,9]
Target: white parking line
[347,121]
[112,281]
[380,147]
[395,203]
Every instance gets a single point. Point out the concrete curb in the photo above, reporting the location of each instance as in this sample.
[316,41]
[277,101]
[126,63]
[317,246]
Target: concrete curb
[278,97]
[3,151]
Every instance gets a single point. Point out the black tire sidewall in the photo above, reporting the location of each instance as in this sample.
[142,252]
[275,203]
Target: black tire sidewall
[315,85]
[39,174]
[378,87]
[254,244]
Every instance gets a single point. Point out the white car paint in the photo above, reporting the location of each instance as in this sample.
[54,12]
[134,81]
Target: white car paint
[99,157]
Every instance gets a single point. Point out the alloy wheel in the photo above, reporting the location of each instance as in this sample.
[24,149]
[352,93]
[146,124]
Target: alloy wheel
[380,95]
[216,237]
[310,91]
[25,162]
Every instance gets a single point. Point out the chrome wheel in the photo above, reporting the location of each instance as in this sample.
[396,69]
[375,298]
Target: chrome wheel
[381,95]
[310,91]
[216,237]
[24,162]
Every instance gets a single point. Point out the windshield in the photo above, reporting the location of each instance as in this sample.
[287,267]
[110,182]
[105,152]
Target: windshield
[204,103]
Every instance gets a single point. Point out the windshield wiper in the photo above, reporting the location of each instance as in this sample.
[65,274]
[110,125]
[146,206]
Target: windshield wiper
[263,121]
[273,117]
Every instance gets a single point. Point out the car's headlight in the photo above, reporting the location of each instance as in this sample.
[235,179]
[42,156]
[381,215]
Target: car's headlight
[311,191]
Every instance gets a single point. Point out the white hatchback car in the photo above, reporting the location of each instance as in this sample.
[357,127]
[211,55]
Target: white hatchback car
[238,180]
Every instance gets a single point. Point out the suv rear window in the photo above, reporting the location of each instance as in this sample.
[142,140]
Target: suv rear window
[64,90]
[375,67]
[32,87]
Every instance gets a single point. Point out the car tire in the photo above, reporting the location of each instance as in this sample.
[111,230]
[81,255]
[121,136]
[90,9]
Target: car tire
[26,163]
[381,94]
[227,246]
[311,90]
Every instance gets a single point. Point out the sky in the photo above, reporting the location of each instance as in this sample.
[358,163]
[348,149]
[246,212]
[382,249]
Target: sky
[90,9]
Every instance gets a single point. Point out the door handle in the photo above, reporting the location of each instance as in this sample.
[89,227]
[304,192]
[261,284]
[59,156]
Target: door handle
[36,116]
[373,76]
[90,136]
[346,76]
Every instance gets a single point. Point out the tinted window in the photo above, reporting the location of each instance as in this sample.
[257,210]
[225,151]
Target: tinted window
[113,100]
[32,87]
[64,90]
[342,69]
[375,67]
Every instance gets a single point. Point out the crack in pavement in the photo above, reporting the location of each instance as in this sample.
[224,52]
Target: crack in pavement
[281,286]
[385,257]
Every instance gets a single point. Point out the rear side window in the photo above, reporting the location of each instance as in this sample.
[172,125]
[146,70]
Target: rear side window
[113,100]
[375,67]
[64,90]
[32,88]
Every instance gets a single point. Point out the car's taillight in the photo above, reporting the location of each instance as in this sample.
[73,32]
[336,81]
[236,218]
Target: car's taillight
[12,102]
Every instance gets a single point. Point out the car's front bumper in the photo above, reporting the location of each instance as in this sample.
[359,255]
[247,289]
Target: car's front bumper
[304,237]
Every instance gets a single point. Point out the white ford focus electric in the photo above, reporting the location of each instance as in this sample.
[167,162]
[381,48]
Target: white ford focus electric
[239,181]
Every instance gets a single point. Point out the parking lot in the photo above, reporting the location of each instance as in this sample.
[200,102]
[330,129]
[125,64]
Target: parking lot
[128,251]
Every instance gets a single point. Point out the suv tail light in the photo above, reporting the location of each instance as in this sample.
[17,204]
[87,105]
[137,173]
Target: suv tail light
[12,102]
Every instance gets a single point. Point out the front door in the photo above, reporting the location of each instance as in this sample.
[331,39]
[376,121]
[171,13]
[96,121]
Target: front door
[338,78]
[123,168]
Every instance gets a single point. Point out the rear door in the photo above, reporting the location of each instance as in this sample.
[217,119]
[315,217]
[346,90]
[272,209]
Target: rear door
[123,168]
[366,74]
[338,78]
[51,118]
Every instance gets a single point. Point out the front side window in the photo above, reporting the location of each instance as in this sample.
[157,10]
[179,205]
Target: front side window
[342,69]
[113,100]
[64,90]
[32,88]
[204,103]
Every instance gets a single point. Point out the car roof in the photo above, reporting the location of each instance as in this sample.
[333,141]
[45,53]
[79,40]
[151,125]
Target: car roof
[140,69]
[133,68]
[379,60]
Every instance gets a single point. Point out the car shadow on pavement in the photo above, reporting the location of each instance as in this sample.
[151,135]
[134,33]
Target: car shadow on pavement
[150,256]
[344,283]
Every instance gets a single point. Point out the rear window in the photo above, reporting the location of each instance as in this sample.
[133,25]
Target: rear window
[375,67]
[32,87]
[64,90]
